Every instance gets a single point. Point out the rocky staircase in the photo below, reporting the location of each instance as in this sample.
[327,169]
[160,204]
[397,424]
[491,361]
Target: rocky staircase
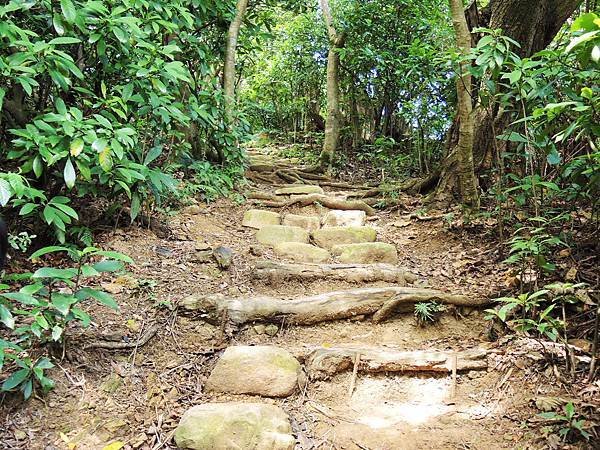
[335,245]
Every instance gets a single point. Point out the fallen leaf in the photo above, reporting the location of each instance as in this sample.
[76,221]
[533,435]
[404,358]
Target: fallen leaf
[117,445]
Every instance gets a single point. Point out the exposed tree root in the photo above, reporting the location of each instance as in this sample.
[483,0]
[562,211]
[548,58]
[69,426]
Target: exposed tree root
[324,362]
[143,340]
[260,195]
[379,302]
[342,185]
[423,218]
[354,273]
[329,202]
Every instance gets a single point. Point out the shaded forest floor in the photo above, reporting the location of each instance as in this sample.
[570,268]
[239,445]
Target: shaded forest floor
[137,396]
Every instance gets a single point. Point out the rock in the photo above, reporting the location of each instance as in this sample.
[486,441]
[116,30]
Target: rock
[272,329]
[309,223]
[299,252]
[260,370]
[257,218]
[203,256]
[366,253]
[192,210]
[275,234]
[224,426]
[202,246]
[328,237]
[256,250]
[582,344]
[339,218]
[223,256]
[299,189]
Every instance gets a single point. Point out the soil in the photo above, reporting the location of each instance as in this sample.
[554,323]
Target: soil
[137,396]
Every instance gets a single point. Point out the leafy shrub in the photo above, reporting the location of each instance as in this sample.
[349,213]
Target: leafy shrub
[95,95]
[40,312]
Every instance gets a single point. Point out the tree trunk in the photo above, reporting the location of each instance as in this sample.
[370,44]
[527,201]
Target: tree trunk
[531,23]
[332,122]
[464,149]
[230,54]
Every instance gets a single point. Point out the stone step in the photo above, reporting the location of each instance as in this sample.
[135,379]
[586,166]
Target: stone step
[299,252]
[331,236]
[272,235]
[366,253]
[221,426]
[340,218]
[260,370]
[258,218]
[309,223]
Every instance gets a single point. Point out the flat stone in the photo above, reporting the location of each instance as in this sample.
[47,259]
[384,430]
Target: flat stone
[339,218]
[224,426]
[328,237]
[292,189]
[366,253]
[309,223]
[299,252]
[276,234]
[257,218]
[259,370]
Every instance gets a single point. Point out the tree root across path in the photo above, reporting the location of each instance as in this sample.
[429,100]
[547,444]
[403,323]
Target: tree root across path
[305,200]
[381,303]
[322,363]
[354,273]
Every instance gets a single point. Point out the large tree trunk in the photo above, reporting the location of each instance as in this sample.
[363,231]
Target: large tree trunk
[464,149]
[230,55]
[332,122]
[531,23]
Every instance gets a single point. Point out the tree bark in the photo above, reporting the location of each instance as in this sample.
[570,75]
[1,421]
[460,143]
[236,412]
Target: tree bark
[534,25]
[357,303]
[230,56]
[323,363]
[332,122]
[464,149]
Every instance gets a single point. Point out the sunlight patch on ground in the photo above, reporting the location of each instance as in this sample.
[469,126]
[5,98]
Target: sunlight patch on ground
[382,403]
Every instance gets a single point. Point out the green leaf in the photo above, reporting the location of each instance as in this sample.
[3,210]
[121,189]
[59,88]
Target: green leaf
[52,272]
[135,206]
[152,154]
[68,10]
[99,145]
[108,266]
[22,297]
[553,158]
[5,192]
[584,22]
[69,174]
[114,255]
[105,159]
[65,40]
[57,332]
[45,250]
[581,40]
[15,379]
[63,302]
[101,296]
[58,24]
[76,147]
[44,363]
[6,317]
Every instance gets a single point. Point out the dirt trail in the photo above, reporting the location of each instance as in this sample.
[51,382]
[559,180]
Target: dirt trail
[138,396]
